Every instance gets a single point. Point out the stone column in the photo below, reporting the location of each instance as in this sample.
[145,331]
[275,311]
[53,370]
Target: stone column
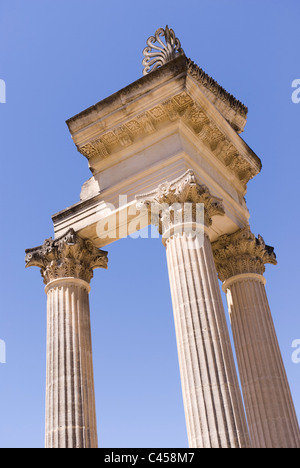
[240,259]
[67,266]
[212,400]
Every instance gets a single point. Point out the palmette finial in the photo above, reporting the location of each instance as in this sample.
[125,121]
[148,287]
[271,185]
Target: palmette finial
[159,52]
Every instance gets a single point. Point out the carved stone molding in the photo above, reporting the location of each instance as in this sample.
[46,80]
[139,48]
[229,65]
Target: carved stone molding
[179,107]
[210,84]
[67,257]
[179,195]
[241,253]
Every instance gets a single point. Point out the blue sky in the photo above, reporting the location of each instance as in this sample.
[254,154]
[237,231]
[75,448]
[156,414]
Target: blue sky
[58,57]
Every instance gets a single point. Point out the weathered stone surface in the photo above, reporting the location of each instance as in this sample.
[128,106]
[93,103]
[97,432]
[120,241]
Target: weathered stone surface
[67,266]
[213,405]
[241,253]
[183,107]
[159,52]
[70,394]
[183,191]
[172,119]
[175,120]
[240,260]
[66,257]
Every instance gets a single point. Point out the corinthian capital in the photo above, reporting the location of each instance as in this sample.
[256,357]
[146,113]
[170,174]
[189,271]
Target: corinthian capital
[241,253]
[181,198]
[70,256]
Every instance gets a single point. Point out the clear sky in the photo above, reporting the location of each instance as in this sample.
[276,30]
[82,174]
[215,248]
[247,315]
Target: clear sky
[58,57]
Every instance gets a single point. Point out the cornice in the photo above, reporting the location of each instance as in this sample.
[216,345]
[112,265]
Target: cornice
[127,117]
[179,108]
[218,91]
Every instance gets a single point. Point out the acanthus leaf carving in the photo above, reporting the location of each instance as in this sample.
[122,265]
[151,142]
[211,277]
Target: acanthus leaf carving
[241,253]
[181,192]
[67,257]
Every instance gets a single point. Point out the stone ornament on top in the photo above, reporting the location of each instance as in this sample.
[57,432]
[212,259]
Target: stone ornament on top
[158,53]
[138,141]
[164,49]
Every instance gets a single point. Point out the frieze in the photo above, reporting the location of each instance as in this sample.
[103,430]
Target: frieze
[179,107]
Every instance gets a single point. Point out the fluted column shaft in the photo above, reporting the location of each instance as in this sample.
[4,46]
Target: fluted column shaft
[240,260]
[183,211]
[212,401]
[67,266]
[269,406]
[70,395]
